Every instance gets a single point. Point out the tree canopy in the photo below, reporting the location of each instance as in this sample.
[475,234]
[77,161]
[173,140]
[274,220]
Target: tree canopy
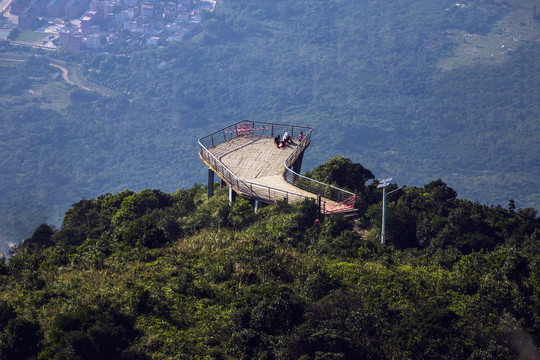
[342,172]
[419,90]
[154,275]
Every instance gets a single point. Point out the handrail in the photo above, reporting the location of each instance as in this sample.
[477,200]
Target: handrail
[266,192]
[316,187]
[310,185]
[249,127]
[243,127]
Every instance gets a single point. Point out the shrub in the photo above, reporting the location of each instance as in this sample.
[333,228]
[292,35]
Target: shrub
[242,214]
[20,339]
[7,312]
[136,205]
[85,333]
[40,239]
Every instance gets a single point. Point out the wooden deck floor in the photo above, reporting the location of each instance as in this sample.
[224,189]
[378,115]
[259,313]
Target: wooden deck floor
[251,157]
[256,159]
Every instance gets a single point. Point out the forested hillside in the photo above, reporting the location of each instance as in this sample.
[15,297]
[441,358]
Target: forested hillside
[142,275]
[418,89]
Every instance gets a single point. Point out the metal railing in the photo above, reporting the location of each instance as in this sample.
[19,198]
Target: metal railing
[248,127]
[267,193]
[316,187]
[313,186]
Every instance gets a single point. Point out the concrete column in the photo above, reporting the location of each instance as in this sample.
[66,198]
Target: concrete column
[319,204]
[297,166]
[210,183]
[232,194]
[257,205]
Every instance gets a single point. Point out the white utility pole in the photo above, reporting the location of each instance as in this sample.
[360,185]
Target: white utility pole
[383,184]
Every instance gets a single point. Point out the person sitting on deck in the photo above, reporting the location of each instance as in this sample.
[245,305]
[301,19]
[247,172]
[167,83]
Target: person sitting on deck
[300,136]
[286,138]
[277,141]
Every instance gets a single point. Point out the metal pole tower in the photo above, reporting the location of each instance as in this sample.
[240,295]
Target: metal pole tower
[383,231]
[383,184]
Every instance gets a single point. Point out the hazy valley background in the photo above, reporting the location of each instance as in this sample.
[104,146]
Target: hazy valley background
[421,90]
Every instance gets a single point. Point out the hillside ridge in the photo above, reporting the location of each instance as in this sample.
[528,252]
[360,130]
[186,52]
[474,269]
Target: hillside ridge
[141,275]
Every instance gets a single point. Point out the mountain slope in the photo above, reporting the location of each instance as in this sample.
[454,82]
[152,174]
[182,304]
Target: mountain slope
[155,275]
[405,87]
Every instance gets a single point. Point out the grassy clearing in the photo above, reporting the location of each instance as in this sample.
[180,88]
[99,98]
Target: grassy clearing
[516,28]
[52,91]
[55,94]
[31,36]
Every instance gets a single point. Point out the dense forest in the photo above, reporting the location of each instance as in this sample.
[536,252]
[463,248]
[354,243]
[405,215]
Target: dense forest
[418,89]
[153,275]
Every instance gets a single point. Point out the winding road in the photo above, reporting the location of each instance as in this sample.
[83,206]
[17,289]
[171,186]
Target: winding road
[70,73]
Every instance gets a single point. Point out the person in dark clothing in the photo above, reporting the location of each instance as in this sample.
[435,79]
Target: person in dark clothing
[277,140]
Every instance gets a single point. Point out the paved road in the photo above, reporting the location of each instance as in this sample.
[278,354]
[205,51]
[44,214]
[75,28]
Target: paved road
[70,73]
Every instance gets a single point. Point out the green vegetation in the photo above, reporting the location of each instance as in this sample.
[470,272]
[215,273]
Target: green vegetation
[25,35]
[13,34]
[341,172]
[141,275]
[368,76]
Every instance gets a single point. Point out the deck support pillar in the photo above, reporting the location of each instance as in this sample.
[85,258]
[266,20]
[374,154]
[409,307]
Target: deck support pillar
[210,183]
[297,166]
[232,194]
[256,205]
[319,204]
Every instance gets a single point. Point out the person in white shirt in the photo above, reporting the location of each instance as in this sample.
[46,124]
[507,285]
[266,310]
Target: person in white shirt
[286,138]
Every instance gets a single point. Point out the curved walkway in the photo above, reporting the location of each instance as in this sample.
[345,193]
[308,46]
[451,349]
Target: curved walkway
[245,157]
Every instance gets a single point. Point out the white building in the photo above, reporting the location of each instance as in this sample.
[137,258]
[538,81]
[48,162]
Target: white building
[152,41]
[93,41]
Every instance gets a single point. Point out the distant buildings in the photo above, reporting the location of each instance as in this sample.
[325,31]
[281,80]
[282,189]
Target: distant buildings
[131,3]
[170,11]
[147,9]
[56,8]
[207,5]
[39,5]
[92,29]
[29,18]
[93,41]
[18,6]
[137,22]
[89,18]
[74,8]
[195,17]
[71,39]
[76,42]
[132,12]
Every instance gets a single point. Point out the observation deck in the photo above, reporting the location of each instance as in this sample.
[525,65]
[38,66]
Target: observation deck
[245,157]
